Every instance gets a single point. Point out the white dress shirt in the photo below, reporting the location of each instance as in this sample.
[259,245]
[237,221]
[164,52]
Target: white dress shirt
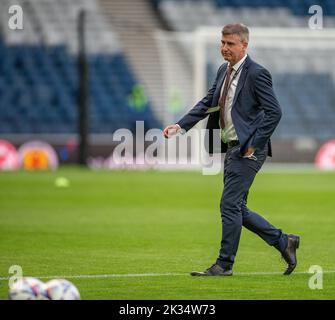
[229,133]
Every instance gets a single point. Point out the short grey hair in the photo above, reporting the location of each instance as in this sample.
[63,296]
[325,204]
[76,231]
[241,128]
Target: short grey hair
[238,28]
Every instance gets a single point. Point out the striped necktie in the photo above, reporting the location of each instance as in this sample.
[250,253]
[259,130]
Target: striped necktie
[222,100]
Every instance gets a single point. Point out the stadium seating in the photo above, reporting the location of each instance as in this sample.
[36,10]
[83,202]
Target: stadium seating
[39,72]
[296,7]
[186,15]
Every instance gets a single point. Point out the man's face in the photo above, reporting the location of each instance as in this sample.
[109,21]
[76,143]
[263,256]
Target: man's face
[232,48]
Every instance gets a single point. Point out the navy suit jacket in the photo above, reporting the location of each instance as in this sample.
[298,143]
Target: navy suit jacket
[255,110]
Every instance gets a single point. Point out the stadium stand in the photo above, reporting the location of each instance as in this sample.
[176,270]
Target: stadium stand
[186,15]
[39,74]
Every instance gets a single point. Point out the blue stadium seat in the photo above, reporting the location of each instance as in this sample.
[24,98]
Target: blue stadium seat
[297,7]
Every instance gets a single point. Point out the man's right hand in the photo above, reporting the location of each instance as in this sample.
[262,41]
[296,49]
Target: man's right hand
[171,130]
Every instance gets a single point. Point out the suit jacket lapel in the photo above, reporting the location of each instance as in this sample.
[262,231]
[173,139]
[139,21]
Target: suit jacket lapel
[241,80]
[218,86]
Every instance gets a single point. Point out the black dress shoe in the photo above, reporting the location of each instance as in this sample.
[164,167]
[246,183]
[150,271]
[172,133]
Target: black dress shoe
[289,254]
[214,270]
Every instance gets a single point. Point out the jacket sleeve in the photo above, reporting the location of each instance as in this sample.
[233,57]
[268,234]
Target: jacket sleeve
[270,105]
[199,111]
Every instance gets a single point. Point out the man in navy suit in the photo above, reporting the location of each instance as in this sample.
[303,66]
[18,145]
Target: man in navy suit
[242,106]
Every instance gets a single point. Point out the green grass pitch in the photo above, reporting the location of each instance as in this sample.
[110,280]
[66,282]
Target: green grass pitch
[147,225]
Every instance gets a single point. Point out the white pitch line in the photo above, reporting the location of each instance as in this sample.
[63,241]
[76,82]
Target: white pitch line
[102,276]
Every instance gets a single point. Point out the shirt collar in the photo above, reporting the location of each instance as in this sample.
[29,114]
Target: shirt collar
[238,64]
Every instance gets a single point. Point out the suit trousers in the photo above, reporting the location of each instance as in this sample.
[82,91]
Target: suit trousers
[239,174]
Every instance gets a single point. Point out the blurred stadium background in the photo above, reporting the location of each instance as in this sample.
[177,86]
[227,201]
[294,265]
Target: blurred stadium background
[151,61]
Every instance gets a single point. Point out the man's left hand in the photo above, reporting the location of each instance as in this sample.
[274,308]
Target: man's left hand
[250,152]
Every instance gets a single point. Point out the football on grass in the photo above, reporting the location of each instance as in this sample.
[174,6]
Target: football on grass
[61,289]
[27,288]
